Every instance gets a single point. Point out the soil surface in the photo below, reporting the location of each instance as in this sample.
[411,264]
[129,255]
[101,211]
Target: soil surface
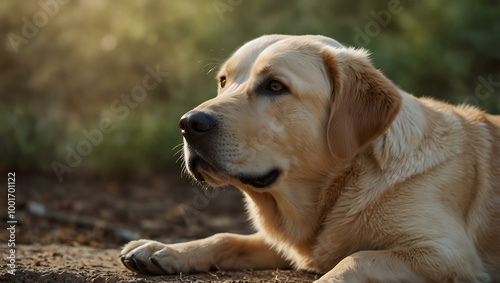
[72,231]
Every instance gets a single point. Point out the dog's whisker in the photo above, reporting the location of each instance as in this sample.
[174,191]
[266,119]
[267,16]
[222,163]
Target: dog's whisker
[181,157]
[214,59]
[178,152]
[214,63]
[175,147]
[211,69]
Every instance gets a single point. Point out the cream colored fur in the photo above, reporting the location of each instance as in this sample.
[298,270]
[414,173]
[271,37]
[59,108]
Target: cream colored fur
[376,185]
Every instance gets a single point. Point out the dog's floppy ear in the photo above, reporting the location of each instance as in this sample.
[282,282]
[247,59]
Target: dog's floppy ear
[364,101]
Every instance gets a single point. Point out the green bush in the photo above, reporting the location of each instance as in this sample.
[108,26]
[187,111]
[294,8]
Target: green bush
[65,78]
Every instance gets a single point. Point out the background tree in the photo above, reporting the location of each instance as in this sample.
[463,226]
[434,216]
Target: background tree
[63,78]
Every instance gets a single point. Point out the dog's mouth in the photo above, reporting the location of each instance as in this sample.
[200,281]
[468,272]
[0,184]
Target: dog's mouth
[203,171]
[198,164]
[261,181]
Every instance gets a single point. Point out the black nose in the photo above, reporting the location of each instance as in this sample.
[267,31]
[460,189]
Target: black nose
[195,124]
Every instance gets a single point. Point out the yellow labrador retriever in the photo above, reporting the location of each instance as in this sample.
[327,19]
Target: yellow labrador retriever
[343,172]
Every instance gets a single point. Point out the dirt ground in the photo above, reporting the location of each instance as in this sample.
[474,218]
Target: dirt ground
[72,231]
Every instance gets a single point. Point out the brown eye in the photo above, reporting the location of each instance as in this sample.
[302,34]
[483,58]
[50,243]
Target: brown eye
[222,82]
[275,86]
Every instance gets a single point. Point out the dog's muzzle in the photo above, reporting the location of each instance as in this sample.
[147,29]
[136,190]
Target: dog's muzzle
[199,130]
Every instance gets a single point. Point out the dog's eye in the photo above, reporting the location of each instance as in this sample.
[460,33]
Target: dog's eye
[222,81]
[275,86]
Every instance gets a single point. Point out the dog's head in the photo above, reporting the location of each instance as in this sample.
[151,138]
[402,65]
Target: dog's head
[287,109]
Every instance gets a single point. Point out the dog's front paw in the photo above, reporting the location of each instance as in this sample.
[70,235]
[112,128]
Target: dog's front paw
[151,257]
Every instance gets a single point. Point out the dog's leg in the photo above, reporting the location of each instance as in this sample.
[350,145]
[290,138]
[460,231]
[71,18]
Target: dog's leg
[220,251]
[404,265]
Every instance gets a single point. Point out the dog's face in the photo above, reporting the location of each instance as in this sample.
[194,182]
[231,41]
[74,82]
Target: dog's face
[288,107]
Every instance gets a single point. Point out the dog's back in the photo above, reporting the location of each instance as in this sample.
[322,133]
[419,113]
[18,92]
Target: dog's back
[484,215]
[478,182]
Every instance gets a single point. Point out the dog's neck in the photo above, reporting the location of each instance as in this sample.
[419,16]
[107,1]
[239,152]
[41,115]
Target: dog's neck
[405,133]
[292,207]
[419,133]
[294,212]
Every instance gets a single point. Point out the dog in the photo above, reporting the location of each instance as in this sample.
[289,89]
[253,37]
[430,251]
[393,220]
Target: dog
[343,173]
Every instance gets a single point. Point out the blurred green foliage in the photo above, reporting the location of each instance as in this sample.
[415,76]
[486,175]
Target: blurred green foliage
[62,76]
